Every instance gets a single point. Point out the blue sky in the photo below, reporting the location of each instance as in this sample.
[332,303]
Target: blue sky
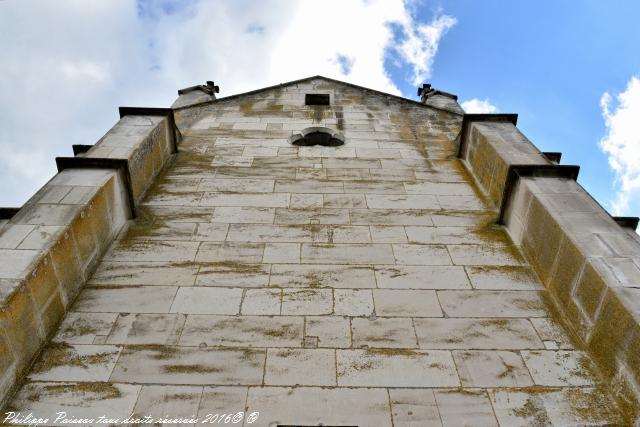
[548,61]
[570,69]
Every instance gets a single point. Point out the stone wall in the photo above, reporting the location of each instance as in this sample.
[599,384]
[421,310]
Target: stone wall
[589,263]
[51,246]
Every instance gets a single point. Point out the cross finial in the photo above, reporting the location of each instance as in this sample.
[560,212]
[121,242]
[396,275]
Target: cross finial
[426,87]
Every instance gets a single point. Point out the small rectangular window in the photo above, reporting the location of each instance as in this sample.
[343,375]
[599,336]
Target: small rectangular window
[316,99]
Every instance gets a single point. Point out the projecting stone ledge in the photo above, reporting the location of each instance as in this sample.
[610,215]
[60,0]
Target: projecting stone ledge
[50,247]
[587,261]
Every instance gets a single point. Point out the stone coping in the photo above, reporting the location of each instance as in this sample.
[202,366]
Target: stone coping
[50,246]
[587,261]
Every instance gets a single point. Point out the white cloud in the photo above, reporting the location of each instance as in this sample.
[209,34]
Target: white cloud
[622,145]
[478,106]
[61,81]
[421,44]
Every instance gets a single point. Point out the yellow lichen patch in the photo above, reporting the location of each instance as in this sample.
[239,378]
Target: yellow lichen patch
[230,266]
[190,369]
[90,390]
[533,409]
[245,107]
[392,352]
[59,354]
[160,352]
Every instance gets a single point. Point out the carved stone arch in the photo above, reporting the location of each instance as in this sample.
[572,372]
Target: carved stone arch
[317,136]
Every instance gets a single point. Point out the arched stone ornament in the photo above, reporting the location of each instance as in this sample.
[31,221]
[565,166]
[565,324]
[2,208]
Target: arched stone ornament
[317,136]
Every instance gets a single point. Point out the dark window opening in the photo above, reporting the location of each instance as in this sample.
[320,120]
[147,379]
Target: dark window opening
[316,99]
[317,136]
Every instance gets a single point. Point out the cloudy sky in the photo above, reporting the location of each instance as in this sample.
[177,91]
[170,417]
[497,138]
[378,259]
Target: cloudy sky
[570,69]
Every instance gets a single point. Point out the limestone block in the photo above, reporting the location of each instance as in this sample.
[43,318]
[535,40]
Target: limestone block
[84,328]
[170,402]
[334,276]
[383,333]
[421,277]
[344,253]
[129,299]
[149,251]
[232,273]
[329,331]
[261,301]
[263,200]
[307,301]
[145,329]
[306,367]
[558,368]
[484,368]
[332,406]
[503,278]
[390,217]
[276,233]
[114,273]
[243,215]
[409,254]
[569,406]
[477,334]
[466,407]
[82,399]
[413,407]
[20,326]
[220,400]
[16,263]
[189,365]
[231,331]
[207,300]
[481,303]
[396,368]
[312,216]
[71,362]
[353,302]
[412,303]
[13,234]
[381,201]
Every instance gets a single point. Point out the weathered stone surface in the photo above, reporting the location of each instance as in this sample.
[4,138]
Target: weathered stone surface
[480,334]
[414,407]
[202,300]
[395,368]
[171,402]
[347,254]
[245,331]
[81,400]
[558,368]
[146,329]
[465,408]
[421,277]
[144,273]
[331,406]
[383,333]
[136,299]
[306,367]
[411,303]
[261,276]
[482,303]
[307,301]
[66,362]
[569,406]
[261,301]
[353,302]
[186,365]
[330,331]
[491,369]
[334,276]
[421,254]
